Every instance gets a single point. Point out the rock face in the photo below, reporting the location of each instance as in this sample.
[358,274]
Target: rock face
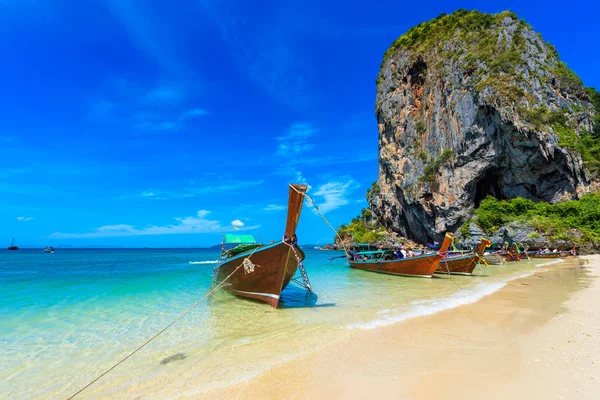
[470,105]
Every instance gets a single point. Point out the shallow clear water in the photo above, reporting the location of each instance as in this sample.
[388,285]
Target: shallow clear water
[68,316]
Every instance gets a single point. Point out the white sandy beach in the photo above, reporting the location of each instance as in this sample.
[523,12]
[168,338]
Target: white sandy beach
[538,337]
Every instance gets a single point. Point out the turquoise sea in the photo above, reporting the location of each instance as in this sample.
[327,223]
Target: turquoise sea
[67,317]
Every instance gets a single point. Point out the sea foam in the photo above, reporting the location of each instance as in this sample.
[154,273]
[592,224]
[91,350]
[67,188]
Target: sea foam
[204,262]
[550,263]
[428,307]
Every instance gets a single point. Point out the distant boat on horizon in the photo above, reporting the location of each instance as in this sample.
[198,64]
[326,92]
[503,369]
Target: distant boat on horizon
[49,249]
[12,245]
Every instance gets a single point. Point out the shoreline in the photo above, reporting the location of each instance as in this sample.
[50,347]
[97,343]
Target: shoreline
[542,326]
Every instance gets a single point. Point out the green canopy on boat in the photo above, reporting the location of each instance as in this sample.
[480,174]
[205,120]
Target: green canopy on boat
[240,239]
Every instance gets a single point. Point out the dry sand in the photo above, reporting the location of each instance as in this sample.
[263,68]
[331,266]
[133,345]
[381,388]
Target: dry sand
[537,338]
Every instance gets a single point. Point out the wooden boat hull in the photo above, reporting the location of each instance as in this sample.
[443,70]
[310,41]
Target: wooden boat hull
[274,267]
[464,264]
[461,265]
[510,256]
[549,255]
[262,273]
[423,266]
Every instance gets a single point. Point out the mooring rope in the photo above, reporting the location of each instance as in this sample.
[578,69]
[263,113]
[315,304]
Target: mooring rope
[312,202]
[210,292]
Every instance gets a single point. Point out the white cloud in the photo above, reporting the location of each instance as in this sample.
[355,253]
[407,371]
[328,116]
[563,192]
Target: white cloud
[273,207]
[194,112]
[152,32]
[202,213]
[158,126]
[24,219]
[164,95]
[201,189]
[184,225]
[295,140]
[291,172]
[334,194]
[151,121]
[237,223]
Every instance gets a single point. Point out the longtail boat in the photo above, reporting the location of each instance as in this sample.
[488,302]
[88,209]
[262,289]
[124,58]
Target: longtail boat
[378,261]
[463,264]
[262,272]
[562,254]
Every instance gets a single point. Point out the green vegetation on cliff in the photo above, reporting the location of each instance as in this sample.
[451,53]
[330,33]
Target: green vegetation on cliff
[554,220]
[432,167]
[363,229]
[429,34]
[502,53]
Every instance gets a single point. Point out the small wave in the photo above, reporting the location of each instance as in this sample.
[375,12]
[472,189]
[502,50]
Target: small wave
[550,263]
[204,262]
[428,307]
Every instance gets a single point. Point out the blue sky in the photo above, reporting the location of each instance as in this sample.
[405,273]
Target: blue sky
[139,123]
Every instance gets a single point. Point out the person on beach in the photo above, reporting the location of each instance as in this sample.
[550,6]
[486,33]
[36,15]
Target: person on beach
[350,255]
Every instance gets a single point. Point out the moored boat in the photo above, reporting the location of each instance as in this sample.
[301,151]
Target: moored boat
[262,272]
[13,246]
[510,255]
[463,264]
[379,261]
[562,254]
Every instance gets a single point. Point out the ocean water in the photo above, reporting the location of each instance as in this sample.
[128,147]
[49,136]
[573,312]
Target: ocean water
[67,317]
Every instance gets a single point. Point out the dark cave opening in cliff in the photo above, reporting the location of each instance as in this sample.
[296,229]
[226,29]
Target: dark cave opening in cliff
[488,185]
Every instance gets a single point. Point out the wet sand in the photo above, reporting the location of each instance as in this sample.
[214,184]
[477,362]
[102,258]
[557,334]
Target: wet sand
[538,337]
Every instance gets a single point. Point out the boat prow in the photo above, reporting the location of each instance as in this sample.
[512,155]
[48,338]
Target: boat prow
[262,272]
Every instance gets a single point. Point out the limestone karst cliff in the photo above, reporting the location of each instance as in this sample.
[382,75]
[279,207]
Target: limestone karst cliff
[472,104]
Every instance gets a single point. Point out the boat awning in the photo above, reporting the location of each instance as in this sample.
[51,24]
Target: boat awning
[240,239]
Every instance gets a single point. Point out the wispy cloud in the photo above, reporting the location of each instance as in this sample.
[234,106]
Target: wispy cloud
[291,172]
[151,33]
[295,140]
[158,126]
[164,95]
[334,194]
[195,189]
[24,219]
[273,207]
[268,52]
[160,110]
[194,112]
[199,223]
[351,157]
